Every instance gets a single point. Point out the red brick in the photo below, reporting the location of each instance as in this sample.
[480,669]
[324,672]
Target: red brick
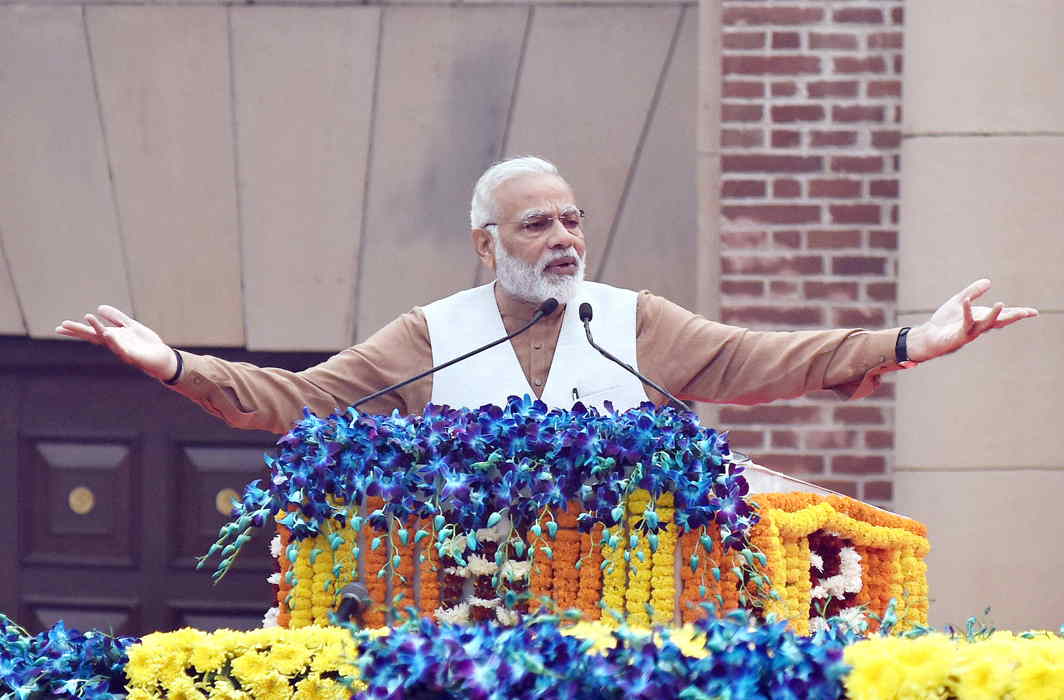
[792,463]
[746,439]
[784,89]
[784,439]
[772,65]
[744,40]
[772,265]
[744,89]
[858,265]
[757,163]
[858,15]
[878,491]
[897,15]
[895,161]
[790,317]
[782,289]
[858,415]
[851,64]
[898,65]
[782,114]
[787,239]
[885,40]
[830,439]
[745,288]
[884,88]
[834,239]
[822,139]
[882,291]
[867,317]
[887,240]
[785,189]
[886,139]
[833,88]
[786,138]
[879,439]
[855,213]
[743,239]
[769,414]
[846,488]
[743,188]
[845,42]
[742,138]
[853,464]
[883,188]
[835,189]
[832,291]
[894,214]
[786,40]
[772,15]
[730,112]
[774,213]
[858,113]
[857,164]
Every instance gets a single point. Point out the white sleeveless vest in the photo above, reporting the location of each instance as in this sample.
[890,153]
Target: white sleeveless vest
[471,318]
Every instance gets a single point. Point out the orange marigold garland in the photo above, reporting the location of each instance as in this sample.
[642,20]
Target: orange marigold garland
[375,555]
[428,570]
[590,565]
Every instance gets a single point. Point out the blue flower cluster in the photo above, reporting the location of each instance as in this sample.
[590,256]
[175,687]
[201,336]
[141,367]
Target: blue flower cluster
[61,663]
[743,661]
[465,469]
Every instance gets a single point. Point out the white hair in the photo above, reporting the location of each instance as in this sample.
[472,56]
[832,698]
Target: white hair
[482,209]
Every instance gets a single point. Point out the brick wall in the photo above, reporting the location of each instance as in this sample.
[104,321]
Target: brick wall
[811,134]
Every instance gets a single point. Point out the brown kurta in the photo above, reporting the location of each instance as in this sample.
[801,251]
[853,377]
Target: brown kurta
[692,357]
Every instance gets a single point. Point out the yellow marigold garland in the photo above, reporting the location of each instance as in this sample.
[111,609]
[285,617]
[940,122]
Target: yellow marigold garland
[614,574]
[663,573]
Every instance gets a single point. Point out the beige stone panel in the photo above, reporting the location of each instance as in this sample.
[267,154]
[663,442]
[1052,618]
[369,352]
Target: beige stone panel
[444,85]
[10,313]
[586,86]
[995,541]
[993,403]
[163,75]
[655,242]
[984,66]
[58,227]
[304,100]
[982,207]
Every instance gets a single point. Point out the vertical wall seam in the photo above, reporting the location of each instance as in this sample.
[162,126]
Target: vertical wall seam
[500,152]
[11,276]
[363,233]
[111,180]
[237,184]
[637,155]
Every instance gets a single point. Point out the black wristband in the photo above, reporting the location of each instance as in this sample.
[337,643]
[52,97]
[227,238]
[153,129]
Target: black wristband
[180,366]
[901,348]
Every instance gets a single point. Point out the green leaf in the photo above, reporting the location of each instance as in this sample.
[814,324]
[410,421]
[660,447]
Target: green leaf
[375,544]
[552,529]
[494,519]
[404,536]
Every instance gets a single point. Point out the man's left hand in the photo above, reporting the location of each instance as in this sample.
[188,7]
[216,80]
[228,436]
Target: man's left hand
[957,323]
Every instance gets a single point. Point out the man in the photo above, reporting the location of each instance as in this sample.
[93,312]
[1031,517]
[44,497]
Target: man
[527,228]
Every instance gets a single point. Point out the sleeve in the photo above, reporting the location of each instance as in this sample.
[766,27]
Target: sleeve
[267,398]
[702,360]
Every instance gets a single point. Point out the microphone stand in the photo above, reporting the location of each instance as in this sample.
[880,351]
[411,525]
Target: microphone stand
[545,309]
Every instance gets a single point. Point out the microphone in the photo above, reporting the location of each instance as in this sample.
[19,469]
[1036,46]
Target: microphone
[354,601]
[585,318]
[545,309]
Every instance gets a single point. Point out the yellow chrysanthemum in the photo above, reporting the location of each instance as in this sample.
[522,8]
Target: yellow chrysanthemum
[1039,679]
[224,690]
[250,667]
[210,655]
[875,675]
[314,687]
[288,659]
[182,688]
[271,686]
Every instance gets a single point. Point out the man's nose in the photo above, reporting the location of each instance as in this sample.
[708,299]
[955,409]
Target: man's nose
[561,237]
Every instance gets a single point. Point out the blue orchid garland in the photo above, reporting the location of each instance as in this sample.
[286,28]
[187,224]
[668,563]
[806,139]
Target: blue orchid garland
[61,663]
[465,469]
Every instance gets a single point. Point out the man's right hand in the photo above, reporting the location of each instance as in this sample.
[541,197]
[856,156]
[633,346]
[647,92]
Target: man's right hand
[133,342]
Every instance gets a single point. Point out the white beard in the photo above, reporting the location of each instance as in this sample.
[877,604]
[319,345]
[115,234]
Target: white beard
[530,282]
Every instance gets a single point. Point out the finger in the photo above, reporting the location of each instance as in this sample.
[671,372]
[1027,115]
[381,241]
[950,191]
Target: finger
[115,316]
[1012,315]
[73,329]
[989,320]
[968,322]
[974,290]
[98,327]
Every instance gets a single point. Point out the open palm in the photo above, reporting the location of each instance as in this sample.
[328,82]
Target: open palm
[132,341]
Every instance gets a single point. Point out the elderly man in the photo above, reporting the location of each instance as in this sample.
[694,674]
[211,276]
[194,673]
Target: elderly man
[528,228]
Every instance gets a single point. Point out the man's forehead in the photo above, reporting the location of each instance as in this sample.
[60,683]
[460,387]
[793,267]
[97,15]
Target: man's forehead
[530,194]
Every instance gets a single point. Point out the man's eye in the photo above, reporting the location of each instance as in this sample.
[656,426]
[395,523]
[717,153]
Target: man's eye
[570,222]
[538,225]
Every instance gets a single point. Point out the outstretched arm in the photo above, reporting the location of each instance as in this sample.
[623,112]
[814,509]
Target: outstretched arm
[132,341]
[957,323]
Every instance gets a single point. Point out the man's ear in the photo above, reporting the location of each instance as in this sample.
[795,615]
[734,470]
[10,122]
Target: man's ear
[484,246]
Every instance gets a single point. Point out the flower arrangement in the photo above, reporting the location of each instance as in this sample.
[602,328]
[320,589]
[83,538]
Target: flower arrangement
[61,663]
[517,497]
[267,664]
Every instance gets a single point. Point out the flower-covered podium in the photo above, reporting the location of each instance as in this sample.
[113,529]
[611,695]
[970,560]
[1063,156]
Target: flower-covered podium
[494,513]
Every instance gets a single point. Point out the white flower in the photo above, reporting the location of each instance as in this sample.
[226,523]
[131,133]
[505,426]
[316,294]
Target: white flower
[460,571]
[479,566]
[270,618]
[505,616]
[495,533]
[483,602]
[850,569]
[853,619]
[274,578]
[454,545]
[458,615]
[275,546]
[516,570]
[816,561]
[816,624]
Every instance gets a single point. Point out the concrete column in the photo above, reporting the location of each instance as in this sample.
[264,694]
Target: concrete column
[980,451]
